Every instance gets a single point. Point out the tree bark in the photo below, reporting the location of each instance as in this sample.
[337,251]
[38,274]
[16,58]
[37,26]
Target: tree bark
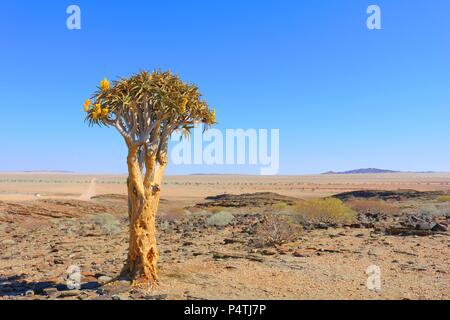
[143,201]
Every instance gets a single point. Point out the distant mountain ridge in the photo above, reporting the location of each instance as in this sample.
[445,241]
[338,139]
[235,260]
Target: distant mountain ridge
[363,171]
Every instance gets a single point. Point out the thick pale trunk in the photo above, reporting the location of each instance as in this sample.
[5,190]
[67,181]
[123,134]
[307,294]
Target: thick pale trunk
[143,255]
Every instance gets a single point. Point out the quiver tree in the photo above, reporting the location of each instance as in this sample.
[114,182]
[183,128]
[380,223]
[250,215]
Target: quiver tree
[146,109]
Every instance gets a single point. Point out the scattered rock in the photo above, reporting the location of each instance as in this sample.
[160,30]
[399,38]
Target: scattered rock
[269,252]
[300,254]
[9,242]
[439,227]
[322,225]
[254,258]
[282,251]
[104,280]
[407,231]
[420,268]
[50,291]
[259,199]
[230,267]
[233,240]
[86,295]
[69,293]
[29,293]
[406,253]
[164,296]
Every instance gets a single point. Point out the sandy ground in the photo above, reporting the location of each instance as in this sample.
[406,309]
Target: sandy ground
[45,228]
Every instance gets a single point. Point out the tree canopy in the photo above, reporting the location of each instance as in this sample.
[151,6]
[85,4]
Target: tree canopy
[148,105]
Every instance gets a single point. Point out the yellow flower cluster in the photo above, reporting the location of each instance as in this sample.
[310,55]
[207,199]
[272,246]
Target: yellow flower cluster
[105,112]
[97,112]
[184,104]
[87,104]
[105,85]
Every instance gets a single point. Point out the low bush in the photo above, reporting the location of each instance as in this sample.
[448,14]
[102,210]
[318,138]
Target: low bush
[276,230]
[445,198]
[172,214]
[220,219]
[280,206]
[434,210]
[107,222]
[373,207]
[327,210]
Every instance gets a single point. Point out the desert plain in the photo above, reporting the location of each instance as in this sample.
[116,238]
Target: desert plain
[208,239]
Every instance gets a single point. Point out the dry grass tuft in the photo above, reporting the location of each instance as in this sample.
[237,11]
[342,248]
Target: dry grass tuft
[373,207]
[107,222]
[276,230]
[173,214]
[280,206]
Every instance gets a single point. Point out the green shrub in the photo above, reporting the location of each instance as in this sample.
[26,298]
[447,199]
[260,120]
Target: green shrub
[434,210]
[107,222]
[328,210]
[445,198]
[220,219]
[280,206]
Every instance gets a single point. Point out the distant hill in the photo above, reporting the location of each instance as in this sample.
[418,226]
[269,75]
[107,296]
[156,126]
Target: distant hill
[363,171]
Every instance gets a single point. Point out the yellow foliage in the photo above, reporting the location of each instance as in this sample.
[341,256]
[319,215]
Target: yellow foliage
[177,102]
[328,210]
[105,112]
[97,112]
[87,104]
[184,104]
[445,198]
[105,85]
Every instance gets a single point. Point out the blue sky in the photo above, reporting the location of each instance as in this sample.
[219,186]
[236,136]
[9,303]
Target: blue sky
[342,96]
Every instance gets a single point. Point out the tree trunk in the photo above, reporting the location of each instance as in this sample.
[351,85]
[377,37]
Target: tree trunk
[143,253]
[143,200]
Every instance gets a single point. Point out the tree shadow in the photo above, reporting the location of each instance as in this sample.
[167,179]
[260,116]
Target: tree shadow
[17,285]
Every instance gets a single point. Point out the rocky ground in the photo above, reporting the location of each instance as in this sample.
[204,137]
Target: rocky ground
[40,240]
